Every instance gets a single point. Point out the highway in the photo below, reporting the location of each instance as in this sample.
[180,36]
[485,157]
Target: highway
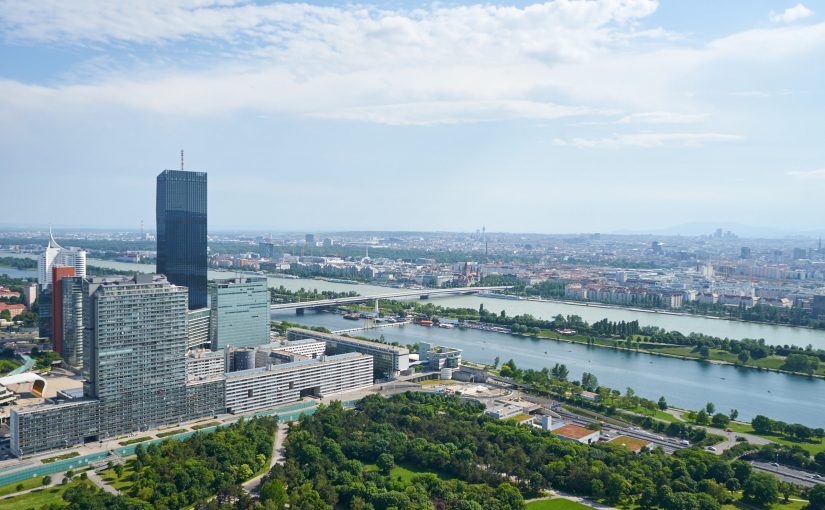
[402,293]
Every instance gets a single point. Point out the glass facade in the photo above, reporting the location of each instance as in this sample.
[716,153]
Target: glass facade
[240,312]
[181,231]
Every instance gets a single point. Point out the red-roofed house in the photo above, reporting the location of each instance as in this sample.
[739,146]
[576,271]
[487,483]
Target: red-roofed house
[14,310]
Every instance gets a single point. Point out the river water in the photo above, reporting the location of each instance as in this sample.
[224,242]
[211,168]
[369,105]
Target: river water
[773,335]
[685,384]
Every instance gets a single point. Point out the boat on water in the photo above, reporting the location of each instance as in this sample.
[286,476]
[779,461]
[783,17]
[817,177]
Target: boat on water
[445,326]
[425,322]
[496,295]
[352,316]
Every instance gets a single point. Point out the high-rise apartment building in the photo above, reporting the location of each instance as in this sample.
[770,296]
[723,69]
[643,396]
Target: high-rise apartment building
[240,312]
[181,231]
[134,364]
[136,342]
[56,255]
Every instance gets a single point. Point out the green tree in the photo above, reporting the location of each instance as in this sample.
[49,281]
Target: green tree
[385,463]
[710,408]
[720,420]
[306,498]
[704,352]
[743,356]
[662,404]
[761,489]
[816,497]
[46,480]
[273,494]
[702,417]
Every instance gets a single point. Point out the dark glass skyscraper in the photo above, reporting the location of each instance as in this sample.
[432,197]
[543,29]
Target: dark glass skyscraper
[181,234]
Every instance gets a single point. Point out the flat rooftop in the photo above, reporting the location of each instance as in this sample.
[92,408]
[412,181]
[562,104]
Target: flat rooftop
[338,338]
[294,364]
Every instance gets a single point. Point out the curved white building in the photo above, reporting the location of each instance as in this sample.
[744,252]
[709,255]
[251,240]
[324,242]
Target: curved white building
[56,255]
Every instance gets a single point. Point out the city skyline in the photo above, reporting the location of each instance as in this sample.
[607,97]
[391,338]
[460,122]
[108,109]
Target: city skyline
[637,115]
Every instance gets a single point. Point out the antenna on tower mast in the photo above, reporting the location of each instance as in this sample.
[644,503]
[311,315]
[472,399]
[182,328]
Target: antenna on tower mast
[181,160]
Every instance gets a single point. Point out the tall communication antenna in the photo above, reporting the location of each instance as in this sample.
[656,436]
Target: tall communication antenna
[141,229]
[181,160]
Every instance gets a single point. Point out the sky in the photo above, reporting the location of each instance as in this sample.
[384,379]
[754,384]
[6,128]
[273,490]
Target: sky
[556,117]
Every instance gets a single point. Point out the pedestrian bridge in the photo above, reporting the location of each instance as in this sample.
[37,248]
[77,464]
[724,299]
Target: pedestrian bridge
[397,294]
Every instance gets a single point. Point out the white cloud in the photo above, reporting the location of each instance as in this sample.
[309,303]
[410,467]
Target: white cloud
[648,140]
[809,175]
[791,14]
[661,118]
[404,66]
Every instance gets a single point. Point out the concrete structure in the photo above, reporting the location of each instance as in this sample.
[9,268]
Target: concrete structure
[437,357]
[56,255]
[240,312]
[204,364]
[304,346]
[181,231]
[422,293]
[133,347]
[260,388]
[197,328]
[389,360]
[29,295]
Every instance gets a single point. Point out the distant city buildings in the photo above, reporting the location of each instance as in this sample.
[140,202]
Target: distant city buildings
[181,232]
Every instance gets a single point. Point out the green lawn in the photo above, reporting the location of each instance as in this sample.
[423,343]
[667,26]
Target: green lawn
[205,425]
[168,433]
[7,365]
[65,456]
[781,505]
[124,482]
[406,472]
[813,448]
[631,443]
[135,440]
[27,484]
[37,499]
[556,504]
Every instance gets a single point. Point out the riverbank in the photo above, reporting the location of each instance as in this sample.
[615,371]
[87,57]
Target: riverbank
[595,304]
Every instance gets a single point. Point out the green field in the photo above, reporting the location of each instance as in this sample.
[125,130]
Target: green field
[205,425]
[556,504]
[27,484]
[65,456]
[7,365]
[171,432]
[406,472]
[631,443]
[125,481]
[811,447]
[135,440]
[38,498]
[781,505]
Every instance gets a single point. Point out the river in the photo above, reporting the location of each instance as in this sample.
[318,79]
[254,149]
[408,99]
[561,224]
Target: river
[685,384]
[773,335]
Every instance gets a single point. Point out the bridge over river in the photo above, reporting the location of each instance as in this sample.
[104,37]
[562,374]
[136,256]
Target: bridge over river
[299,307]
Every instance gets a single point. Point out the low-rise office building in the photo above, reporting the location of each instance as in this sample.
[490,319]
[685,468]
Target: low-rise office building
[389,361]
[264,387]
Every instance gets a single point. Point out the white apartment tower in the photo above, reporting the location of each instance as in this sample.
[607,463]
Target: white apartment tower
[56,255]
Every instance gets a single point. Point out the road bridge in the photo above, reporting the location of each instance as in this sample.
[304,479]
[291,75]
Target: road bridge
[299,307]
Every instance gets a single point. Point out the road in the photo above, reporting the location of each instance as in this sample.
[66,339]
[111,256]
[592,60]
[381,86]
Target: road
[787,474]
[276,457]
